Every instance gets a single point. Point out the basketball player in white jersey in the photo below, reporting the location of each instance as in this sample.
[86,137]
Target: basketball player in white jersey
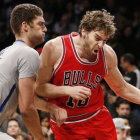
[18,69]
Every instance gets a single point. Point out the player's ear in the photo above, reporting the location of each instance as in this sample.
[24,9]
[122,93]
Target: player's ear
[84,33]
[25,26]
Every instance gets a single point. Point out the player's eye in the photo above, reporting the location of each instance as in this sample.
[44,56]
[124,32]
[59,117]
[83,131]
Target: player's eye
[97,39]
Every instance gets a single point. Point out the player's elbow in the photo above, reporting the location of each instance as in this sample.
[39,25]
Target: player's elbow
[121,91]
[40,90]
[37,89]
[24,110]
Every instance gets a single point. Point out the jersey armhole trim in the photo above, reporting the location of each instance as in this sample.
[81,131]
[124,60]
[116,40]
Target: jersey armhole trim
[105,63]
[62,56]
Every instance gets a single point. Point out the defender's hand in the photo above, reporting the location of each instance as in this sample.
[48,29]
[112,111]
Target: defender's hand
[59,115]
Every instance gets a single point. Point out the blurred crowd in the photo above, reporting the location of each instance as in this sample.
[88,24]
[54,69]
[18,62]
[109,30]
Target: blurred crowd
[63,17]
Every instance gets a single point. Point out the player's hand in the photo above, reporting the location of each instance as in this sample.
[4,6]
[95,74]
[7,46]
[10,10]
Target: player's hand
[59,115]
[78,92]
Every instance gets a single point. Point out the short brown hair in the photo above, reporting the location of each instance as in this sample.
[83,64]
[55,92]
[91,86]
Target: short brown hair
[23,12]
[13,119]
[100,20]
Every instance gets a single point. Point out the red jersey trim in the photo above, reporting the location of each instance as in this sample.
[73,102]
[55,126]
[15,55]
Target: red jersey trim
[62,58]
[81,120]
[77,56]
[105,64]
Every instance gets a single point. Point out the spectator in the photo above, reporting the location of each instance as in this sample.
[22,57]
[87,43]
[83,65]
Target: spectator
[64,26]
[13,127]
[128,39]
[126,120]
[46,127]
[131,72]
[109,99]
[131,75]
[123,108]
[121,129]
[18,118]
[117,45]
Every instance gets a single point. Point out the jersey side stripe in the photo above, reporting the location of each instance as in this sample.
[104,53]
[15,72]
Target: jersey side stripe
[7,98]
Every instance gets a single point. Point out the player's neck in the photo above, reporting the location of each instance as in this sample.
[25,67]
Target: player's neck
[78,42]
[84,46]
[83,52]
[26,40]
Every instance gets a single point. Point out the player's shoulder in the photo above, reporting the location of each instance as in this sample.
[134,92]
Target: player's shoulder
[53,47]
[110,55]
[30,49]
[23,47]
[53,43]
[26,51]
[108,50]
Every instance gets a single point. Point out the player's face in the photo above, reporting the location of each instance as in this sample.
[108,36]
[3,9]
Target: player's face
[37,30]
[13,128]
[123,109]
[95,40]
[120,134]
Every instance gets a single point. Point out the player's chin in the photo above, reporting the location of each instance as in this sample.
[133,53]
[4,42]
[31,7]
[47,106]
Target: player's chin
[41,40]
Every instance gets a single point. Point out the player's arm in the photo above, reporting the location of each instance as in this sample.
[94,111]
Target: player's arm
[116,81]
[58,114]
[27,109]
[50,57]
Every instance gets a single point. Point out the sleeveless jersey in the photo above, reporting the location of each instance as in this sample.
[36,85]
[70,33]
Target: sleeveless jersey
[73,71]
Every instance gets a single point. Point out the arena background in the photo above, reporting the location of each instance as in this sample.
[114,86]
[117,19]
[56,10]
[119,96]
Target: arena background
[63,17]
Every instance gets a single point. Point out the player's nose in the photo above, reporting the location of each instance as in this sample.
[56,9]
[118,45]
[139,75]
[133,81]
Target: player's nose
[100,44]
[45,29]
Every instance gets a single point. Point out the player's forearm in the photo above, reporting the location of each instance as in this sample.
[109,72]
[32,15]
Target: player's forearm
[51,91]
[130,93]
[42,104]
[31,120]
